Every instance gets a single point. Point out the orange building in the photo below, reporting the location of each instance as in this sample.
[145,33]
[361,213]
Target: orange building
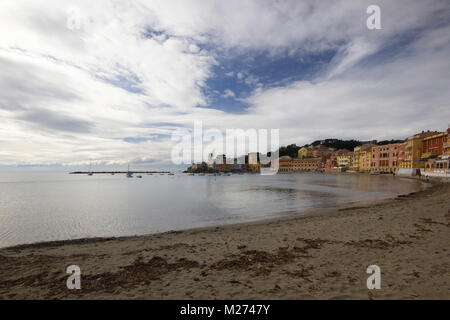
[306,164]
[433,146]
[441,162]
[284,164]
[385,158]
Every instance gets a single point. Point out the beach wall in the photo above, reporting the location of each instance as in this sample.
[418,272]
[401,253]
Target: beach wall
[406,172]
[436,173]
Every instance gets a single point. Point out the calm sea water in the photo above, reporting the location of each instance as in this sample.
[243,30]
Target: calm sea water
[56,206]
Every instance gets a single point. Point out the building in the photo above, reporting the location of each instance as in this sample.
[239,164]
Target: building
[410,151]
[253,158]
[220,159]
[304,153]
[317,151]
[320,151]
[284,164]
[344,159]
[440,165]
[385,158]
[447,144]
[306,164]
[210,161]
[198,167]
[354,162]
[433,146]
[365,160]
[225,167]
[361,158]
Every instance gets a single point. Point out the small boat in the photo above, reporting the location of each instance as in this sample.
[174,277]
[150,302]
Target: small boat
[191,174]
[90,173]
[129,174]
[171,174]
[140,177]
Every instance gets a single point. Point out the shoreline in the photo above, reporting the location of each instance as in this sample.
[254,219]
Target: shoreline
[320,256]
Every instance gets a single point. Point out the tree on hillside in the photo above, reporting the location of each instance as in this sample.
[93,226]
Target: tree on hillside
[290,150]
[384,142]
[338,143]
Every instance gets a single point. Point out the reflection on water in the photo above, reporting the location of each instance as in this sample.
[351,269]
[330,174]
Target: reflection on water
[56,206]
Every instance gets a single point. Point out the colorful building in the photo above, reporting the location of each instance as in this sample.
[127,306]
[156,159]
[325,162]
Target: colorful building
[433,146]
[439,164]
[365,157]
[410,151]
[447,144]
[304,153]
[385,158]
[307,164]
[254,167]
[365,160]
[343,160]
[354,162]
[284,164]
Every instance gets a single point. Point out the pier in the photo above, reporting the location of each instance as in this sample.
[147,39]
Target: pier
[117,172]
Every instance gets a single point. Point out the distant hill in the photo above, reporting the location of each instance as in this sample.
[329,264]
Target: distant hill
[292,150]
[338,143]
[382,143]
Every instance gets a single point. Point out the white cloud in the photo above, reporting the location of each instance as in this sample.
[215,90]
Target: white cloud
[138,70]
[228,94]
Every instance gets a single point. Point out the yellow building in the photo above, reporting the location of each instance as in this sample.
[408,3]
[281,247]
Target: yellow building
[410,151]
[343,160]
[314,151]
[365,161]
[447,144]
[254,167]
[354,161]
[304,153]
[361,158]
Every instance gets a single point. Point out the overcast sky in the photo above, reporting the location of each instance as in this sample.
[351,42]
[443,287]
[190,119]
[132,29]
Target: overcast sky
[113,90]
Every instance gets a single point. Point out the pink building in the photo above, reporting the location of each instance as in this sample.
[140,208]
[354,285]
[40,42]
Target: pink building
[385,158]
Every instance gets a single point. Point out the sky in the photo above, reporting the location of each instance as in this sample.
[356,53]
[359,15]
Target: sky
[109,82]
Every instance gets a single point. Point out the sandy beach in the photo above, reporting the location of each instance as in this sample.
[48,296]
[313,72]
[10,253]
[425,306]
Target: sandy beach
[318,257]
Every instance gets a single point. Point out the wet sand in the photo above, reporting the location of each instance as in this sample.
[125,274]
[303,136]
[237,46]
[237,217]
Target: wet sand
[318,257]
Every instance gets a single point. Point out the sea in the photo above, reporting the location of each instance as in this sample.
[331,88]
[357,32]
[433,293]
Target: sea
[49,206]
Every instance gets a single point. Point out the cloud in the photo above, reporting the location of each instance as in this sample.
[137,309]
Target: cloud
[136,71]
[228,94]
